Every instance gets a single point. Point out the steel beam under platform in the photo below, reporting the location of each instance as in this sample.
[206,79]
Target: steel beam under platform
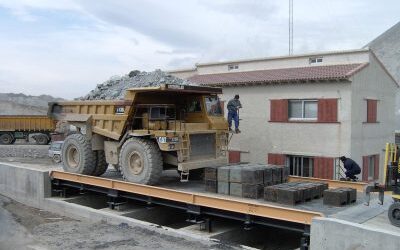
[193,203]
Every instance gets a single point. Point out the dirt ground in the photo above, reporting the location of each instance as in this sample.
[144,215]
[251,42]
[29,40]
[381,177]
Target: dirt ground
[27,228]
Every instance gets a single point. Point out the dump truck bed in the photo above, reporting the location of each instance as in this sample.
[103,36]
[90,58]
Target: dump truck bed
[26,123]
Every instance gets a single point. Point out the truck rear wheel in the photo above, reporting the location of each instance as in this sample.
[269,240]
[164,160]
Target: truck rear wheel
[101,164]
[77,155]
[6,138]
[42,139]
[141,161]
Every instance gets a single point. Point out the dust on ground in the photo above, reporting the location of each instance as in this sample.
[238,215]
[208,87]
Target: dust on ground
[23,227]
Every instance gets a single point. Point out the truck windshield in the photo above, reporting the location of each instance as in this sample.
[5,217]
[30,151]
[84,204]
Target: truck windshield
[213,106]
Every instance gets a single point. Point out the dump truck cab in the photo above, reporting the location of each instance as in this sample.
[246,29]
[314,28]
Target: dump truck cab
[153,128]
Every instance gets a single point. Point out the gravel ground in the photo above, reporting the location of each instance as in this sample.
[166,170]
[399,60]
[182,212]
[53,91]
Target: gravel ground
[23,227]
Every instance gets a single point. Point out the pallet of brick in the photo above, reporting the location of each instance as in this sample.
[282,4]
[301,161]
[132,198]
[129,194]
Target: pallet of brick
[322,187]
[289,196]
[276,175]
[335,197]
[270,193]
[211,186]
[223,187]
[246,174]
[210,173]
[285,173]
[223,173]
[252,191]
[267,173]
[305,192]
[351,194]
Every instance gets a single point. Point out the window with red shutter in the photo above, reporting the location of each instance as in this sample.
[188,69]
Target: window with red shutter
[372,107]
[327,110]
[279,110]
[370,168]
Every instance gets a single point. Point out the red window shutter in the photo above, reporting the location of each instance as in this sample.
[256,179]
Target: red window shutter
[376,167]
[279,110]
[327,110]
[222,105]
[365,168]
[323,167]
[277,159]
[372,110]
[234,156]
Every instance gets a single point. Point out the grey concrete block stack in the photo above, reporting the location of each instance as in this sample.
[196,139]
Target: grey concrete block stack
[244,180]
[340,196]
[292,193]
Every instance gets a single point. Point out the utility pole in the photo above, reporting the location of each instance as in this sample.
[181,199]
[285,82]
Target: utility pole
[290,27]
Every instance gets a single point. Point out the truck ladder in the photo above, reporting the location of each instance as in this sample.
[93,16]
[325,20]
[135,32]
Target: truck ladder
[184,152]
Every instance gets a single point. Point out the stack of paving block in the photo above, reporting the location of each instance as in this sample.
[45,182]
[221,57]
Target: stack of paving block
[244,180]
[293,193]
[340,196]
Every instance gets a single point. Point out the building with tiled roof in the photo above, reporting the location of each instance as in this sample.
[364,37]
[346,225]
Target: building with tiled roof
[305,111]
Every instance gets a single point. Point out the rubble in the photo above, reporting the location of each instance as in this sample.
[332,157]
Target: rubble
[115,87]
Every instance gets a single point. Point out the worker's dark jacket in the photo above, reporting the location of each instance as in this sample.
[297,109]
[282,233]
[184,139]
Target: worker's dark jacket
[233,105]
[351,166]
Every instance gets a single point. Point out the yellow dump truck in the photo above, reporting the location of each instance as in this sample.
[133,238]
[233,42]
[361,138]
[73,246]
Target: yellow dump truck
[153,128]
[21,127]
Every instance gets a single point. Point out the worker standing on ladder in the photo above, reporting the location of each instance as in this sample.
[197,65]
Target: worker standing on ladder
[352,168]
[233,113]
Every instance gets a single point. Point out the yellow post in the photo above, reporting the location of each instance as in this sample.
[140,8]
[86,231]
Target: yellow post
[386,163]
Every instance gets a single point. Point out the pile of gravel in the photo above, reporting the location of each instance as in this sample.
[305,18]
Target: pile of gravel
[115,87]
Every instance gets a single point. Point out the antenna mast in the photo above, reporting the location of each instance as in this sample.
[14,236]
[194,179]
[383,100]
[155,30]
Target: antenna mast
[290,27]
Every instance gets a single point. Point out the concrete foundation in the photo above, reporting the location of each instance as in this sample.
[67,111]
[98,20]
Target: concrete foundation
[329,233]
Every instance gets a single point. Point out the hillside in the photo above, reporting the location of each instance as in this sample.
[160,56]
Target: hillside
[20,104]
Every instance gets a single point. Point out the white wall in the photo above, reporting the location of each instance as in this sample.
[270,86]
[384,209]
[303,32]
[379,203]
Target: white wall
[275,63]
[370,138]
[261,137]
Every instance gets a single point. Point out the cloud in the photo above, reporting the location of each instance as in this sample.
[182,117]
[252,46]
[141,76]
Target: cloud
[65,48]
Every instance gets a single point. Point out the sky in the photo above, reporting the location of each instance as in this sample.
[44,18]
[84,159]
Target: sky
[65,48]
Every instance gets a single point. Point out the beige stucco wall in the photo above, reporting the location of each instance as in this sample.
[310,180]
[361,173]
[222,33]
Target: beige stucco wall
[260,137]
[370,138]
[274,63]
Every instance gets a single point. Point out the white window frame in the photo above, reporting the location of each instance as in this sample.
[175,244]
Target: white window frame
[302,118]
[314,60]
[298,165]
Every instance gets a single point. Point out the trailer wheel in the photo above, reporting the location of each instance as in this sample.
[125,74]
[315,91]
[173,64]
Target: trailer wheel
[77,155]
[56,158]
[141,161]
[42,139]
[394,214]
[6,138]
[101,164]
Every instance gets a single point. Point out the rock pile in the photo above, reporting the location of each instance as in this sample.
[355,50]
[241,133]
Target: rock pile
[115,87]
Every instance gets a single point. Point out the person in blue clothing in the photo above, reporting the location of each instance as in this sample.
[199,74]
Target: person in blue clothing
[233,109]
[352,168]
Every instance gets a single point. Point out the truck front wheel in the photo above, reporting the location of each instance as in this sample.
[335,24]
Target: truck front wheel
[77,155]
[141,161]
[42,139]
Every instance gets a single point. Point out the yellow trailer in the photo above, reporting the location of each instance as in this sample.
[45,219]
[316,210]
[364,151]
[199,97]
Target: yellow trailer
[20,127]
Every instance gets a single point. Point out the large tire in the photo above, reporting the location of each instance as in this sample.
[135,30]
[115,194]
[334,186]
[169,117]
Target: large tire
[141,161]
[394,214]
[101,164]
[77,155]
[42,139]
[6,138]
